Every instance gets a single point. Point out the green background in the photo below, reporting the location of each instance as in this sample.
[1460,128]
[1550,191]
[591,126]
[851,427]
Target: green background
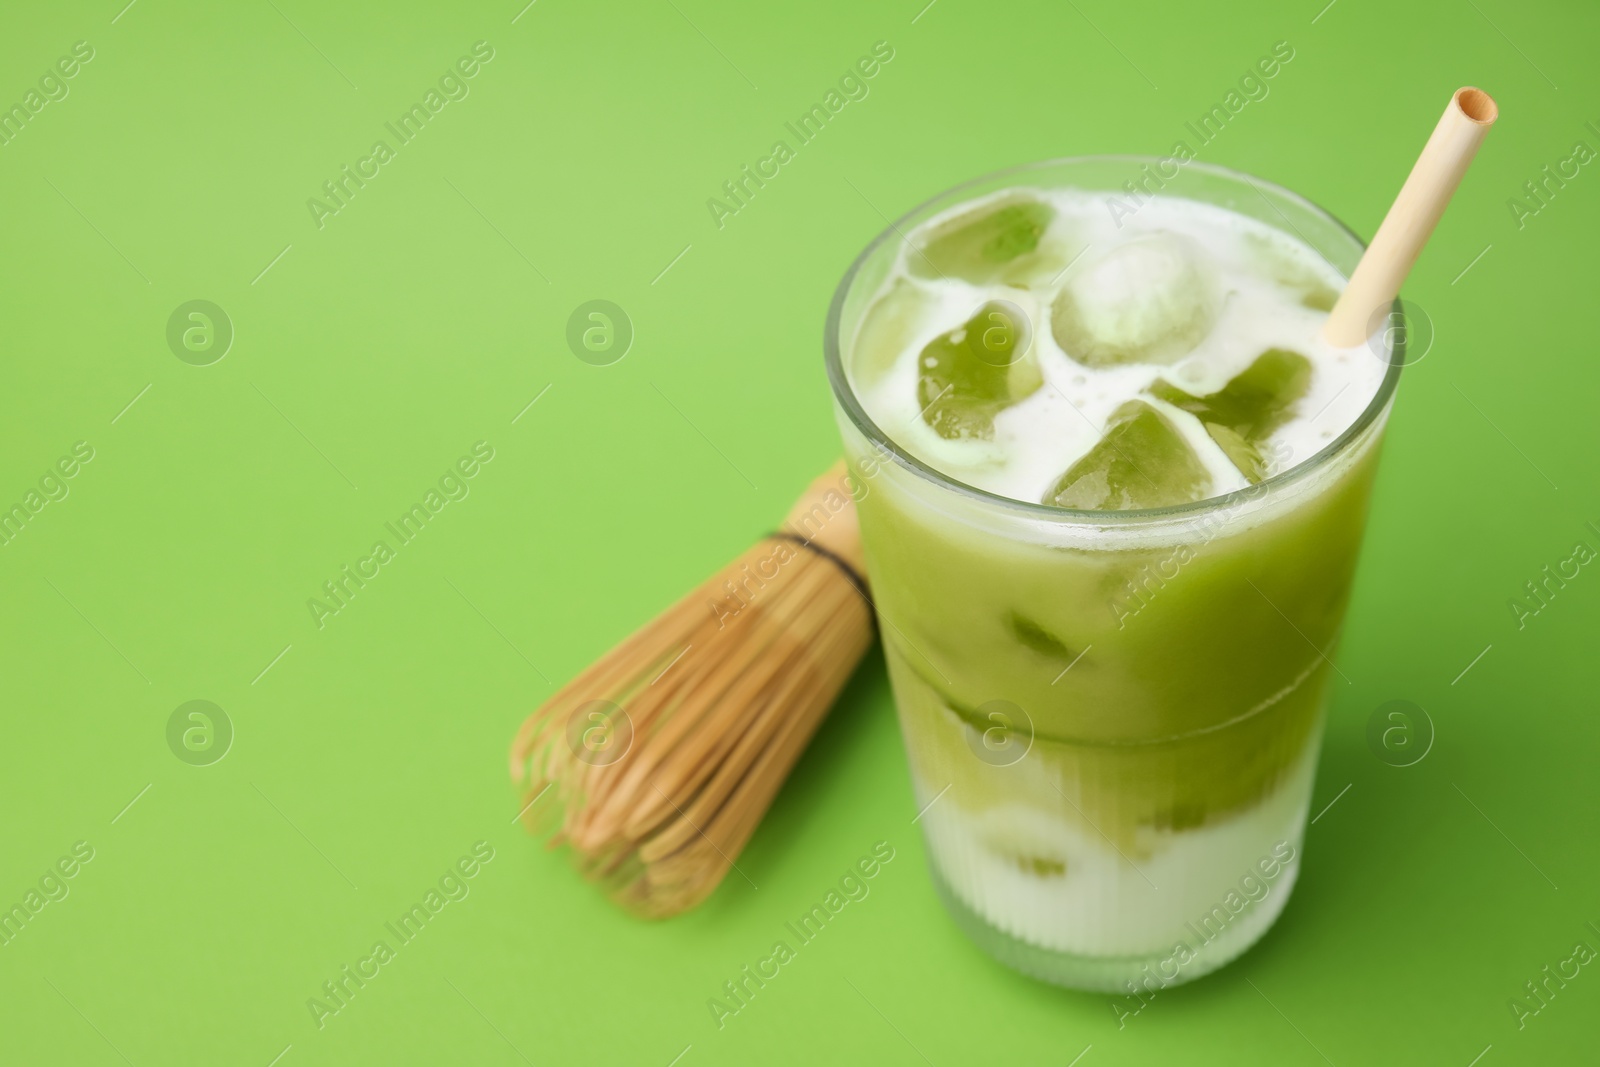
[373,352]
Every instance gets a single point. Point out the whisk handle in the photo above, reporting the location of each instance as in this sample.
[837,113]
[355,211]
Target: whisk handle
[826,516]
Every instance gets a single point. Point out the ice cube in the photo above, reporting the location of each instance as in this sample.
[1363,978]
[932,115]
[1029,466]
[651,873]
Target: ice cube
[967,376]
[1040,866]
[1243,414]
[1148,300]
[1286,265]
[994,242]
[1036,637]
[887,330]
[1142,461]
[1319,298]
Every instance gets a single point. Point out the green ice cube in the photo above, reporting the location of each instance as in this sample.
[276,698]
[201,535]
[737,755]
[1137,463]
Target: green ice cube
[1142,461]
[1041,866]
[1319,298]
[887,329]
[1243,414]
[1147,300]
[967,376]
[1287,266]
[991,243]
[1036,637]
[1240,450]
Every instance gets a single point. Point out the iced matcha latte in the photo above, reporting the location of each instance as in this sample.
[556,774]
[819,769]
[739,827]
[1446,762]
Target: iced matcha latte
[1117,485]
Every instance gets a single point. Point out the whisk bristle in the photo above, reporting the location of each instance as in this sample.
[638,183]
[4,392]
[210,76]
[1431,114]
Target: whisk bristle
[656,764]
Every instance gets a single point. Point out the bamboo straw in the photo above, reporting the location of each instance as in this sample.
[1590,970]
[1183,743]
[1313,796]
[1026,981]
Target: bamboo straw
[1412,217]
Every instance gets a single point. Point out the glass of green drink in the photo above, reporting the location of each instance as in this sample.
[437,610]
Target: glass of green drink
[1113,484]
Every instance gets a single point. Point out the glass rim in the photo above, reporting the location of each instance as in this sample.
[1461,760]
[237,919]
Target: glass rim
[844,394]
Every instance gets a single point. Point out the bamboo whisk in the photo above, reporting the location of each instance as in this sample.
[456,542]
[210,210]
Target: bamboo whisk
[657,762]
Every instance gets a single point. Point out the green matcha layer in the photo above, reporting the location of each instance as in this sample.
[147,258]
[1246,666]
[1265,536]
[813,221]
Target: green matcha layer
[1172,686]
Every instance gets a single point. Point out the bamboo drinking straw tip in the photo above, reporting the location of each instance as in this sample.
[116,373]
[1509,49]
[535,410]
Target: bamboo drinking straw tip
[1411,218]
[1477,105]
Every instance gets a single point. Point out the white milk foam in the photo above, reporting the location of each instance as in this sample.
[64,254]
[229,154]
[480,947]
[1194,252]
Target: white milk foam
[1039,437]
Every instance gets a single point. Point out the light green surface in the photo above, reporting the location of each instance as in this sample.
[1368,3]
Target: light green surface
[378,349]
